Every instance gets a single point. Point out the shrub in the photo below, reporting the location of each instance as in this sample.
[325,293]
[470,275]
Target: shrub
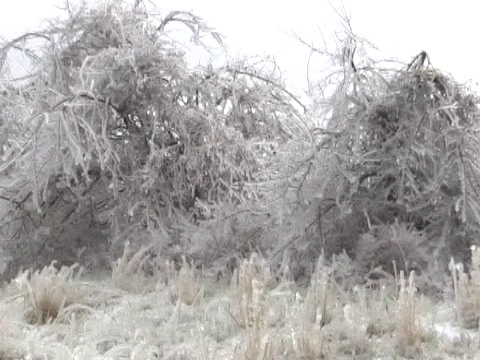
[114,133]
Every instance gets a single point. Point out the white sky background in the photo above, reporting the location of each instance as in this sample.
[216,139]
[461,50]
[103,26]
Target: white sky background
[447,30]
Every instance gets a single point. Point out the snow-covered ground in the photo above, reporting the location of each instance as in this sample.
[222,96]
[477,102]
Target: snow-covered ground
[184,315]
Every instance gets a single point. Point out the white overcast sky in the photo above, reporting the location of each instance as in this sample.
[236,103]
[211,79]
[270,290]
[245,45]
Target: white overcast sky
[447,30]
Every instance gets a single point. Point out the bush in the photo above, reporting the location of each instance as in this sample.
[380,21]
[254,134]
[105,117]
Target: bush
[397,145]
[113,133]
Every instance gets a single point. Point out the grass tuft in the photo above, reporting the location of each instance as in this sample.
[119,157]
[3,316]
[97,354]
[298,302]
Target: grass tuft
[49,294]
[188,290]
[249,284]
[410,334]
[467,291]
[128,272]
[309,336]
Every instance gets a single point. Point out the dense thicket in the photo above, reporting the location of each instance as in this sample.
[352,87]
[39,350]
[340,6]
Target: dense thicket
[114,133]
[401,167]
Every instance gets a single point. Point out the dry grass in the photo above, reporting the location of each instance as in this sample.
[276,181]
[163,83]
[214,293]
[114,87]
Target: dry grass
[128,272]
[249,285]
[409,332]
[50,295]
[467,291]
[257,317]
[309,336]
[187,286]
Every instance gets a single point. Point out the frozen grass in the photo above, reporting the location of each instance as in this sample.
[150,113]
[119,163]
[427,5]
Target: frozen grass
[57,314]
[467,292]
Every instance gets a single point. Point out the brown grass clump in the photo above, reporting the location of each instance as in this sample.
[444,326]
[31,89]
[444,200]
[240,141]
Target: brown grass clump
[50,294]
[467,291]
[410,334]
[309,336]
[310,341]
[319,295]
[249,284]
